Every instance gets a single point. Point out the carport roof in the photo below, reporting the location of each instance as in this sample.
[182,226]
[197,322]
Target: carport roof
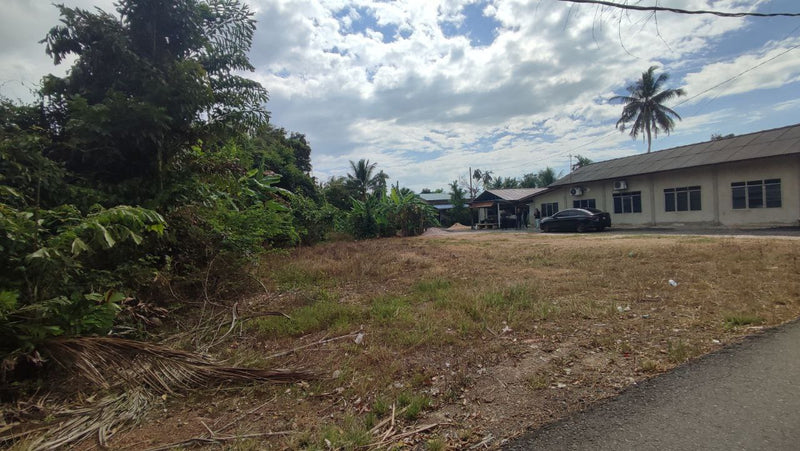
[509,195]
[767,143]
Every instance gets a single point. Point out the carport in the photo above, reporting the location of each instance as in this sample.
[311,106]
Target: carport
[503,208]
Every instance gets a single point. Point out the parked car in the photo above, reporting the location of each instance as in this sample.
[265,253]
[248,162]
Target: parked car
[577,220]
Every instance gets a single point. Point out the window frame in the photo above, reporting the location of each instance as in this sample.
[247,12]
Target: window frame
[584,203]
[548,207]
[627,202]
[684,198]
[752,194]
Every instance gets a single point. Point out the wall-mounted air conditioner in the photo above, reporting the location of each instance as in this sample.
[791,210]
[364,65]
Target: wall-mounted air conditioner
[576,191]
[620,185]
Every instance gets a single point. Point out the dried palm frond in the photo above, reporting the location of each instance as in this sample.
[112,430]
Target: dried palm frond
[137,373]
[108,362]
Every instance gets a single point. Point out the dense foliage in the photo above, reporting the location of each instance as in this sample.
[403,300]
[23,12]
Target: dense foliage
[152,158]
[153,163]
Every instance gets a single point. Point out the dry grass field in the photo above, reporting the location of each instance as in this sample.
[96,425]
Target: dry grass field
[458,339]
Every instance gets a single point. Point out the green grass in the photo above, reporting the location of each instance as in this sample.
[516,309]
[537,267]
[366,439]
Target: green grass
[415,404]
[388,310]
[741,319]
[293,277]
[352,434]
[323,315]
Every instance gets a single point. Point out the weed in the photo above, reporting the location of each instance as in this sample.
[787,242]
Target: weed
[352,434]
[390,309]
[435,444]
[326,315]
[649,366]
[293,277]
[420,379]
[538,381]
[678,351]
[381,406]
[432,286]
[413,403]
[741,319]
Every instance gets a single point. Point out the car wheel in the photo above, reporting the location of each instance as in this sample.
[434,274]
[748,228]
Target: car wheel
[545,228]
[581,228]
[601,228]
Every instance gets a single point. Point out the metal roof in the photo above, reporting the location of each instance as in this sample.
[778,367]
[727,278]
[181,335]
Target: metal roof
[510,194]
[435,197]
[766,143]
[446,206]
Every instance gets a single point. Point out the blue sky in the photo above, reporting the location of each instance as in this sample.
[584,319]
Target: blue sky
[429,88]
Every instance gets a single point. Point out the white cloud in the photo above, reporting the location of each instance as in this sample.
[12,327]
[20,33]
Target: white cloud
[774,66]
[425,106]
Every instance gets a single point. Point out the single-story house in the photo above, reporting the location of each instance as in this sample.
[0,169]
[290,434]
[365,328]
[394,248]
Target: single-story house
[504,208]
[747,180]
[439,201]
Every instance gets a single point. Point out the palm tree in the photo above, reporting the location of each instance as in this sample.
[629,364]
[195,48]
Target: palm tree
[547,176]
[483,177]
[361,178]
[645,106]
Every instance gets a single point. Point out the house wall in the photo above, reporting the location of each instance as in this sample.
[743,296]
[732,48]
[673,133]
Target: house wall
[715,195]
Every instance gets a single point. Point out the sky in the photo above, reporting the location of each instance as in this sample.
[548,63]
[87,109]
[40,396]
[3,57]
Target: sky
[427,89]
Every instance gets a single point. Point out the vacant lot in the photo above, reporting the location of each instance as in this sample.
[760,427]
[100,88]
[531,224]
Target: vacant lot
[452,340]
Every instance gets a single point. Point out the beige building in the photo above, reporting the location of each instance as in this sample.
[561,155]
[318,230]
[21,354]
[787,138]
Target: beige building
[747,180]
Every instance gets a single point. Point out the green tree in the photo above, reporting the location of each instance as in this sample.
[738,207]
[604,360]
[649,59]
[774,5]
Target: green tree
[484,178]
[338,191]
[719,136]
[458,197]
[546,177]
[504,183]
[644,106]
[379,182]
[362,177]
[147,84]
[529,180]
[581,161]
[272,149]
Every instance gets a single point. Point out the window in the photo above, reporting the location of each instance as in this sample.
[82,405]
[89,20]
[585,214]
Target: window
[772,192]
[682,199]
[583,203]
[549,209]
[756,194]
[628,202]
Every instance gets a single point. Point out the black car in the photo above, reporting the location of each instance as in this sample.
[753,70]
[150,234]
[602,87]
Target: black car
[577,220]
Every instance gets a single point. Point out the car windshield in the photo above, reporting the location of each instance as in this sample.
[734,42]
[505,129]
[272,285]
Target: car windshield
[593,210]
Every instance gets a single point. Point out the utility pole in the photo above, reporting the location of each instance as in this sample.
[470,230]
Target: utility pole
[471,199]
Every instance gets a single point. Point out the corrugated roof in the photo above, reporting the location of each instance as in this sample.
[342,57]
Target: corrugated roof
[435,197]
[766,143]
[509,194]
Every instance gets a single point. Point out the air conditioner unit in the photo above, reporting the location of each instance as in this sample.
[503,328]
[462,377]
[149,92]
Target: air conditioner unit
[620,185]
[576,191]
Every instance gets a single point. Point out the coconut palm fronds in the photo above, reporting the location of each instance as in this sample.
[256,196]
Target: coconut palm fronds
[136,374]
[109,362]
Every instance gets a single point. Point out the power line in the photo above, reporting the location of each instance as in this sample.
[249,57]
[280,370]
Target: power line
[738,75]
[678,10]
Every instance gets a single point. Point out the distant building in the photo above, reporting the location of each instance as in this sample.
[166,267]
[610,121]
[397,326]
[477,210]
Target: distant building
[747,180]
[504,208]
[439,201]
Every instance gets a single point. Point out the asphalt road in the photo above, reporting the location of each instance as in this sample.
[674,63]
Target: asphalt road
[744,397]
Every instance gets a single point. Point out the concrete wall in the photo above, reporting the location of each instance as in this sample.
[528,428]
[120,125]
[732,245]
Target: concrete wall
[715,191]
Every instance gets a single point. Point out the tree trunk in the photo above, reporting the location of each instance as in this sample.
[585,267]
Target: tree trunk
[648,137]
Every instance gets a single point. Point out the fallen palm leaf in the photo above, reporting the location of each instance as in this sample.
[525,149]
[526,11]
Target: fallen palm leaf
[108,361]
[139,372]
